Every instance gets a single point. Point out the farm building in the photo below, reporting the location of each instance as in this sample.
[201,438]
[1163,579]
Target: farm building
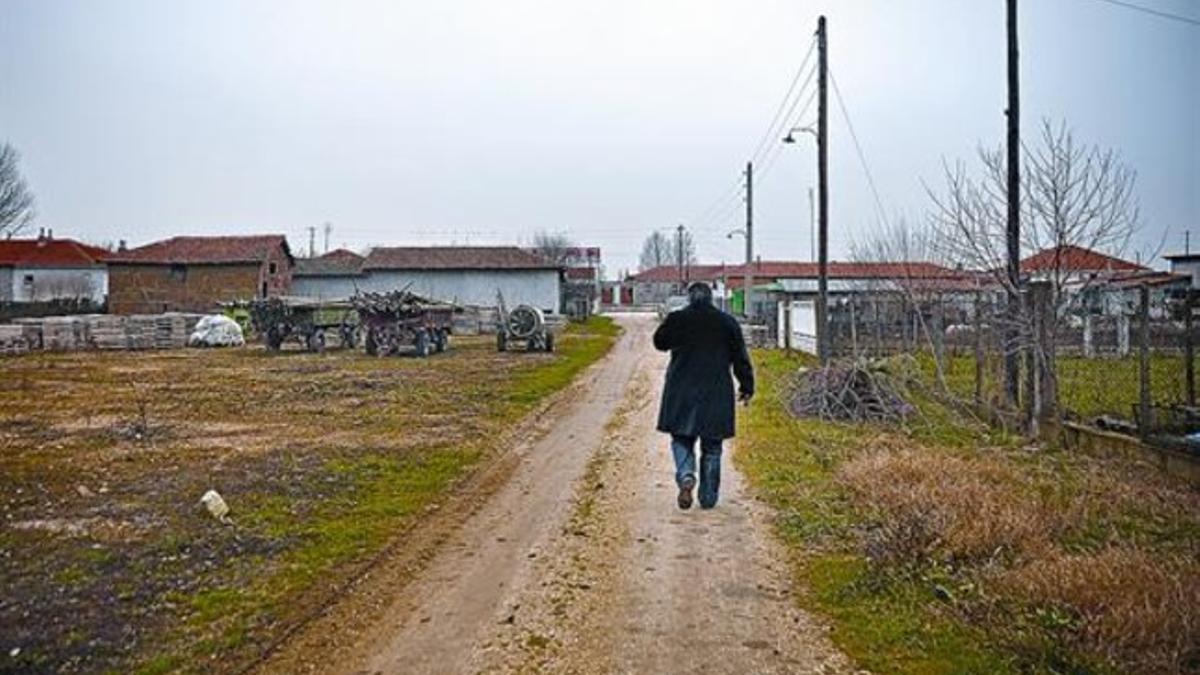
[195,274]
[48,269]
[332,276]
[466,275]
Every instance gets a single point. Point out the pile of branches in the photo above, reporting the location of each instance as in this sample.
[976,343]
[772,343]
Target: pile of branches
[400,304]
[859,391]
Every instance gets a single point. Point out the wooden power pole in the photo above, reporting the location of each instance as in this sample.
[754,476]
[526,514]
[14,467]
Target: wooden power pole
[679,256]
[1013,235]
[822,193]
[748,277]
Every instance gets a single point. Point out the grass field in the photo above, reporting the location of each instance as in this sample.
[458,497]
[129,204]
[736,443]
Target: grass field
[110,564]
[1086,387]
[949,548]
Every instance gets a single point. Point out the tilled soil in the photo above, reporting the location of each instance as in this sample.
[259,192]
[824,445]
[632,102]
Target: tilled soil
[579,561]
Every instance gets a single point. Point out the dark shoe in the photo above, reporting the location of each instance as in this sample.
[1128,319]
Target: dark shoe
[707,504]
[685,493]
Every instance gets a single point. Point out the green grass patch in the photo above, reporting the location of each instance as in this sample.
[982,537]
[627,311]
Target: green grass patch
[854,505]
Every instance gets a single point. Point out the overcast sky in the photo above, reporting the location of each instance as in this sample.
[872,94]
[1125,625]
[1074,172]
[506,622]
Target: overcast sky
[484,122]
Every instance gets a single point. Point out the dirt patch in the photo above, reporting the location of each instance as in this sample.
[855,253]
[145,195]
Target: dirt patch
[109,560]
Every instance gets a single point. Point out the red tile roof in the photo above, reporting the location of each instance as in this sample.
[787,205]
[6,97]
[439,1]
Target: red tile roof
[777,269]
[670,273]
[50,253]
[1076,259]
[455,258]
[338,262]
[203,250]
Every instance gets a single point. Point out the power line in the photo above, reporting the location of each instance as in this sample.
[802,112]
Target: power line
[719,208]
[767,135]
[862,158]
[778,149]
[1154,12]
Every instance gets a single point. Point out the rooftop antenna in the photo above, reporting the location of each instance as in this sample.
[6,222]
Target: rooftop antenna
[328,228]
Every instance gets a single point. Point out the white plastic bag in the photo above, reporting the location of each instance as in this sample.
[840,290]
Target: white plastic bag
[216,330]
[216,505]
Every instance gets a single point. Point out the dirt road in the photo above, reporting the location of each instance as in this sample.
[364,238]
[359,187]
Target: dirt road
[581,562]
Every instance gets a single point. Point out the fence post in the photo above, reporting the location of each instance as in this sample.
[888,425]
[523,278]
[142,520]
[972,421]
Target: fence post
[1089,350]
[787,324]
[1043,306]
[1123,335]
[1144,361]
[853,325]
[939,332]
[1189,366]
[979,365]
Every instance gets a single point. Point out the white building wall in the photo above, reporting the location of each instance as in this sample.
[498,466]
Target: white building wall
[6,288]
[539,288]
[40,284]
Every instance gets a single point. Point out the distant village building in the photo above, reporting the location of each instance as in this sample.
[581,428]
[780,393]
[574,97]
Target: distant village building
[465,275]
[1186,264]
[332,276]
[195,274]
[581,287]
[48,269]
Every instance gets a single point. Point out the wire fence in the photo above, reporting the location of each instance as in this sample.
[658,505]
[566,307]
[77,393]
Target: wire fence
[1122,359]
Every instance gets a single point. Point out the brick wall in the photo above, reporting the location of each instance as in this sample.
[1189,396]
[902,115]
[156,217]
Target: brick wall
[138,289]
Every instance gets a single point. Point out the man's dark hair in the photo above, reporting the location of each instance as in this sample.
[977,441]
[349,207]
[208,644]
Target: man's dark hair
[700,293]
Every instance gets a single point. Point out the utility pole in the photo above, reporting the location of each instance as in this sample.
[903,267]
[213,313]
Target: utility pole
[328,228]
[312,241]
[679,256]
[822,193]
[812,225]
[1011,352]
[748,279]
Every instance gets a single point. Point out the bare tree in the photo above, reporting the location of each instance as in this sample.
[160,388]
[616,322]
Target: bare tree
[907,250]
[659,250]
[16,200]
[1072,195]
[553,246]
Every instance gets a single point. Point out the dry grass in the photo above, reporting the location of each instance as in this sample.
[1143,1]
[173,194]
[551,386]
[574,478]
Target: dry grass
[1133,607]
[938,551]
[939,506]
[107,561]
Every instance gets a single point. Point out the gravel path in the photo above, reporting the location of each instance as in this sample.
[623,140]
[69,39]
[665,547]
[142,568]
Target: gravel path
[581,562]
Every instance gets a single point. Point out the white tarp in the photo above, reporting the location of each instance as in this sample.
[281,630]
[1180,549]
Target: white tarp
[216,330]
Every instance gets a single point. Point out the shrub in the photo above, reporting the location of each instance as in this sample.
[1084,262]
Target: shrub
[1141,612]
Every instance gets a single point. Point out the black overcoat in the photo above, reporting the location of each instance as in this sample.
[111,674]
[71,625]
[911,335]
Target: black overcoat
[705,343]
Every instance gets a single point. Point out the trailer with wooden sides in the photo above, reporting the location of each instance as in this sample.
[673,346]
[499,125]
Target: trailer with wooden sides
[305,320]
[394,321]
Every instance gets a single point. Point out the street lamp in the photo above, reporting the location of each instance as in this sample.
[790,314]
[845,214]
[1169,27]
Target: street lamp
[791,138]
[822,304]
[748,274]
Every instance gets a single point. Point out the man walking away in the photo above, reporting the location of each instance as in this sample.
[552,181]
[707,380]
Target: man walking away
[697,401]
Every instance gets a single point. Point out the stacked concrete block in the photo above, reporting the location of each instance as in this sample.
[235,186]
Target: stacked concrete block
[63,333]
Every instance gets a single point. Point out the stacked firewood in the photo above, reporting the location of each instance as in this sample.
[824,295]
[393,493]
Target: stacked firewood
[859,391]
[398,304]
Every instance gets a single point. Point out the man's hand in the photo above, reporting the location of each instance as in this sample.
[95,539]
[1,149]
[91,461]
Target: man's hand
[745,396]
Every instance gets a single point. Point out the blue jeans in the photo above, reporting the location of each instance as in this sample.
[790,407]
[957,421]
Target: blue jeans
[684,450]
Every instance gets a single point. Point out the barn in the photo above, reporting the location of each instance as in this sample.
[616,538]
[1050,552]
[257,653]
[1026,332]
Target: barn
[195,274]
[465,275]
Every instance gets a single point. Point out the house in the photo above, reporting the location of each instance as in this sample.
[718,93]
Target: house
[654,285]
[48,269]
[581,285]
[1186,264]
[1074,266]
[195,274]
[465,275]
[332,276]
